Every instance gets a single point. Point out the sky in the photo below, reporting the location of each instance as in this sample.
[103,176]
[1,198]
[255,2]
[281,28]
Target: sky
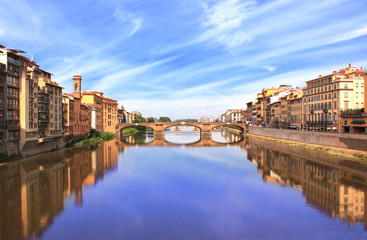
[186,58]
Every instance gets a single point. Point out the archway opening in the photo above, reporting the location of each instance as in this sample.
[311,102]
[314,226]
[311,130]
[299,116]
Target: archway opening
[227,134]
[137,135]
[182,134]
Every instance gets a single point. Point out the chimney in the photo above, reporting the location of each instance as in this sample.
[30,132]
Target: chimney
[350,65]
[320,76]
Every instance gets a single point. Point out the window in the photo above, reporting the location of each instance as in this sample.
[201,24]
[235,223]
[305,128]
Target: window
[346,85]
[356,95]
[357,106]
[346,105]
[345,94]
[356,85]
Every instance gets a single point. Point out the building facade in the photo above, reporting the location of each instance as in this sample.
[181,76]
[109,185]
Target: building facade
[327,96]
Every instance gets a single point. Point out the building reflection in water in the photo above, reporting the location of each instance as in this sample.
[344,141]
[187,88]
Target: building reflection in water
[335,186]
[32,192]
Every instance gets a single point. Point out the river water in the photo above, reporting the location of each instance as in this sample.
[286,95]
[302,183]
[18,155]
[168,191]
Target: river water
[182,187]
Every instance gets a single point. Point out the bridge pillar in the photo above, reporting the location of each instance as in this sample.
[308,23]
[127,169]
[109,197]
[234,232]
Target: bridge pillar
[206,132]
[158,131]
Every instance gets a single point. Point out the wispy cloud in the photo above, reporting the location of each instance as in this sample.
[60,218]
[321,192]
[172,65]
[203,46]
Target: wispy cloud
[129,18]
[223,22]
[184,58]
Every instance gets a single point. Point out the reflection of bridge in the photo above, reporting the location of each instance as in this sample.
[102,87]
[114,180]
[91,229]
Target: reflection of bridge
[159,127]
[203,142]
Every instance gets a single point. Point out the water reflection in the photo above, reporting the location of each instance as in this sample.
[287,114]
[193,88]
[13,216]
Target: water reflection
[333,185]
[185,135]
[182,135]
[33,192]
[182,193]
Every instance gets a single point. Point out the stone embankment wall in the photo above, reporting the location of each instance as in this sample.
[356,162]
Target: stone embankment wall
[36,147]
[340,140]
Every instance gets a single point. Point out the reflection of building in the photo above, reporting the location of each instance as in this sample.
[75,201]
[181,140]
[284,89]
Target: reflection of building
[32,192]
[334,186]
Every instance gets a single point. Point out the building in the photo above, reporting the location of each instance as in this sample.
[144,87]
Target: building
[248,113]
[94,101]
[204,119]
[109,115]
[3,99]
[134,115]
[49,106]
[233,116]
[121,115]
[355,120]
[68,114]
[295,110]
[103,111]
[9,91]
[327,96]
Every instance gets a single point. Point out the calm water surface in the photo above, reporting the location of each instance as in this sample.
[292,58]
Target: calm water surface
[183,188]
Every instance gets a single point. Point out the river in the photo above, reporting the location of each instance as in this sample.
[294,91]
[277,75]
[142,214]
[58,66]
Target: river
[182,187]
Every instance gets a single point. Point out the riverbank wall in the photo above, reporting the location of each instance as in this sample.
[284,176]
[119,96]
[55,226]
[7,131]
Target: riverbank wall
[36,147]
[339,140]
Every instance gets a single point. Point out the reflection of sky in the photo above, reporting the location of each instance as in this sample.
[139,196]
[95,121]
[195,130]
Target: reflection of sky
[186,135]
[193,193]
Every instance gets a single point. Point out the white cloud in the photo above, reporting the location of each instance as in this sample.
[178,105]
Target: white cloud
[125,17]
[223,22]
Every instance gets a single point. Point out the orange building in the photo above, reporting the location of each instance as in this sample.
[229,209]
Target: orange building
[76,114]
[105,116]
[94,101]
[68,114]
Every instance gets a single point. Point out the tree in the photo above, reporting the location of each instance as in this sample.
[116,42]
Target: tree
[151,119]
[139,119]
[164,119]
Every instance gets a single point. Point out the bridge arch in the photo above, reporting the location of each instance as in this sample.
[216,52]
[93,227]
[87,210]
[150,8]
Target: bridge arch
[241,126]
[178,124]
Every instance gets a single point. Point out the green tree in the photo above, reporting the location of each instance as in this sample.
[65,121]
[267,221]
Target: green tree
[139,119]
[164,119]
[151,119]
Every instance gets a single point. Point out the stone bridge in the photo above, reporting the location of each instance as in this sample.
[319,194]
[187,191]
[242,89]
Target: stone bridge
[207,142]
[159,127]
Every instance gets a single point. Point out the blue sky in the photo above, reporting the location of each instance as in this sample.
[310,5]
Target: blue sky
[186,58]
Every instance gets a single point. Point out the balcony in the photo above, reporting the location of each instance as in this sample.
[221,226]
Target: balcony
[13,61]
[12,125]
[14,73]
[11,106]
[12,118]
[359,122]
[43,109]
[353,114]
[2,68]
[320,122]
[44,119]
[43,99]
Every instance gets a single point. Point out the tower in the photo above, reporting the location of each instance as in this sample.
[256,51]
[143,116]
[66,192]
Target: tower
[77,86]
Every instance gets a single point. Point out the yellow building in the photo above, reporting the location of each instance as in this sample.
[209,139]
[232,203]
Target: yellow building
[94,102]
[326,96]
[105,118]
[109,115]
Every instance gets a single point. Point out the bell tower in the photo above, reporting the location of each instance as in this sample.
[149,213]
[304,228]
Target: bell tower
[77,86]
